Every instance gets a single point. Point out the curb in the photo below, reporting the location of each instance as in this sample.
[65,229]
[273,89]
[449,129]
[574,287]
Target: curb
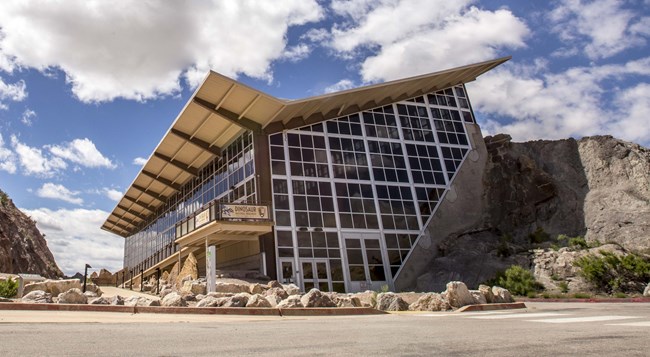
[248,311]
[592,300]
[490,307]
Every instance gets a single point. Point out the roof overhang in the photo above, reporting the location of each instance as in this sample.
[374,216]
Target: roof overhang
[222,108]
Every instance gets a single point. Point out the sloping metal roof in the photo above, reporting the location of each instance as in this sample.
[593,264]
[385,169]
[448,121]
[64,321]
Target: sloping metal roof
[221,108]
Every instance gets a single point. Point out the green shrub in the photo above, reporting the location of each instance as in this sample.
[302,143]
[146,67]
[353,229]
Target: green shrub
[578,243]
[531,294]
[581,296]
[564,287]
[8,288]
[518,281]
[538,236]
[503,249]
[3,199]
[620,295]
[611,273]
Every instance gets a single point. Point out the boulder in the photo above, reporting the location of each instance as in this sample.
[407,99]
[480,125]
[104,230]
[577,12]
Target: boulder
[194,287]
[164,276]
[73,296]
[256,289]
[486,291]
[291,289]
[314,298]
[211,301]
[173,274]
[99,301]
[173,299]
[646,292]
[501,295]
[90,294]
[54,287]
[219,295]
[257,300]
[237,300]
[457,294]
[5,300]
[199,297]
[277,293]
[141,301]
[164,292]
[391,302]
[93,289]
[189,269]
[117,300]
[478,296]
[430,302]
[367,298]
[274,284]
[37,297]
[346,301]
[189,296]
[293,301]
[233,288]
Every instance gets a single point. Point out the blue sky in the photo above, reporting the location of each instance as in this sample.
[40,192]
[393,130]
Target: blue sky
[88,88]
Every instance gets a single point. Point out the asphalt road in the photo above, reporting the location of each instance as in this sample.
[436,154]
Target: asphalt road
[558,329]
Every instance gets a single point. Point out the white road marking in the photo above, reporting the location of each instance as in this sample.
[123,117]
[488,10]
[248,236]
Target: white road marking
[637,324]
[463,314]
[567,320]
[517,316]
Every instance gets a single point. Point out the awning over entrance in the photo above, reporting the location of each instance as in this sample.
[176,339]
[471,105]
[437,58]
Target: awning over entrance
[219,231]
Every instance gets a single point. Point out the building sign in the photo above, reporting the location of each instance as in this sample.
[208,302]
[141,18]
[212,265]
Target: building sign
[244,211]
[202,218]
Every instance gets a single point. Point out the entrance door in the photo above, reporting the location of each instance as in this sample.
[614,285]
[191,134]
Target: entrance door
[315,274]
[365,261]
[287,272]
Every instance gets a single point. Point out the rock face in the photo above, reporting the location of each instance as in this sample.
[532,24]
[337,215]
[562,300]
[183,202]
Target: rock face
[596,187]
[23,248]
[104,277]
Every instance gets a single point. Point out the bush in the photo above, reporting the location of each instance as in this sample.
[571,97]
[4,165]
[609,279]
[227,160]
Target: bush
[578,243]
[581,296]
[503,249]
[620,295]
[8,288]
[538,236]
[518,281]
[564,287]
[610,273]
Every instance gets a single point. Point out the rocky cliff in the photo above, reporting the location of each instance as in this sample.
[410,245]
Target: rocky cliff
[22,247]
[519,196]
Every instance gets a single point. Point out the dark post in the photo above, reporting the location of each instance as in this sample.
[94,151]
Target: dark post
[158,281]
[123,274]
[131,284]
[141,280]
[86,276]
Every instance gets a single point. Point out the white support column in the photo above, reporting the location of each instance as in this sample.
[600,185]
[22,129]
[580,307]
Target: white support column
[210,266]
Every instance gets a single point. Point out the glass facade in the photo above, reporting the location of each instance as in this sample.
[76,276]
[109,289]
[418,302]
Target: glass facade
[356,192]
[229,178]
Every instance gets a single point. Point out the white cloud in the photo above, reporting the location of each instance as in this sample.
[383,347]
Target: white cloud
[113,194]
[82,152]
[75,238]
[141,49]
[59,192]
[34,162]
[540,104]
[27,117]
[316,35]
[602,28]
[139,161]
[15,92]
[296,53]
[7,158]
[410,37]
[343,84]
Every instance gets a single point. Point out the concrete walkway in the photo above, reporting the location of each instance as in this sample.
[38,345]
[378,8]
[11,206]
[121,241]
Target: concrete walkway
[125,293]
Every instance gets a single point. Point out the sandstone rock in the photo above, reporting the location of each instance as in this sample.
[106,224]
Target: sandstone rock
[210,301]
[37,296]
[486,291]
[90,294]
[430,302]
[117,300]
[141,301]
[173,274]
[233,288]
[256,289]
[457,294]
[367,298]
[501,295]
[291,289]
[5,300]
[347,301]
[165,291]
[274,284]
[257,300]
[54,287]
[478,296]
[391,302]
[199,297]
[99,301]
[219,294]
[173,299]
[164,276]
[646,292]
[189,296]
[293,301]
[278,294]
[314,298]
[237,300]
[194,287]
[189,269]
[73,296]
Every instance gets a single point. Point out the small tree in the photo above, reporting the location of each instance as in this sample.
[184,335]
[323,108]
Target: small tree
[610,273]
[519,281]
[8,288]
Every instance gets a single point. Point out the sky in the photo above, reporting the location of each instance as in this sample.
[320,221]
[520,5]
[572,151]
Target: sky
[88,88]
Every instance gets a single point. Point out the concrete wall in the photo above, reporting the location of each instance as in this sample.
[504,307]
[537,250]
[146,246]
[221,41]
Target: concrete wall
[460,210]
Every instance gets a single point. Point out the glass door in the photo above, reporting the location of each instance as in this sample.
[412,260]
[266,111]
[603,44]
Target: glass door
[366,267]
[287,272]
[316,274]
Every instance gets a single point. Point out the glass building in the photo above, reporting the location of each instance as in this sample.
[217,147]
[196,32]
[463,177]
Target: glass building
[331,192]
